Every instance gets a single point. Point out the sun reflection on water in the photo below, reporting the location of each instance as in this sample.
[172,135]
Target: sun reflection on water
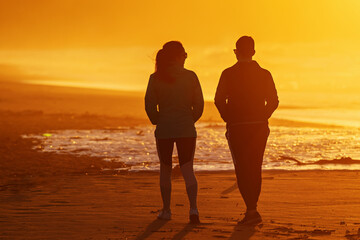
[288,148]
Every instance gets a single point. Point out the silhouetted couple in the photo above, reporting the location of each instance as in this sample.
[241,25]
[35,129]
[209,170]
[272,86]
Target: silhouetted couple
[246,98]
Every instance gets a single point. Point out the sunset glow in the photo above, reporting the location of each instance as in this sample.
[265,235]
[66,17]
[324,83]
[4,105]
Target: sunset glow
[309,45]
[95,145]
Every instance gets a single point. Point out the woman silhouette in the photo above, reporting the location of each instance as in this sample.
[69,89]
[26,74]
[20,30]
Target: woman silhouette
[174,102]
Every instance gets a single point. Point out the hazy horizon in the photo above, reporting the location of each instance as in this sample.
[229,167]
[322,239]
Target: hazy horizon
[308,46]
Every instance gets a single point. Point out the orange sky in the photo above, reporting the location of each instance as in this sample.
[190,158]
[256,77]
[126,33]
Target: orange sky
[308,45]
[69,23]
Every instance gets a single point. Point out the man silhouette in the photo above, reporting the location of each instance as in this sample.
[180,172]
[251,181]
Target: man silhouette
[246,97]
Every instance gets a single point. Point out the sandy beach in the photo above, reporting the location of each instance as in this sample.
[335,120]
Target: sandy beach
[60,196]
[124,206]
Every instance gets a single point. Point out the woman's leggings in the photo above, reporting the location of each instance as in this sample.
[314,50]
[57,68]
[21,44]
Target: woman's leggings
[186,149]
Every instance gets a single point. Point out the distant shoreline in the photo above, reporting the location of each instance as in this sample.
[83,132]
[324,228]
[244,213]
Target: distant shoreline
[19,97]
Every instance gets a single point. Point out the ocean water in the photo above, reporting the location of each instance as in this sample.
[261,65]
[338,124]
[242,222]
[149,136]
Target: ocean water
[288,148]
[344,117]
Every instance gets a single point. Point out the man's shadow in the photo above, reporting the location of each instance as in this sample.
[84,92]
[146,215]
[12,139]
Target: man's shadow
[152,227]
[243,232]
[187,228]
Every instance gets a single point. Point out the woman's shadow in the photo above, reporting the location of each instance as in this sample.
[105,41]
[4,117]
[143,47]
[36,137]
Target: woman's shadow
[157,224]
[240,232]
[151,228]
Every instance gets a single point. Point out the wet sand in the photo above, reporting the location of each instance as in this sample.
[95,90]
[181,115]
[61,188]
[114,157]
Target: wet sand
[53,196]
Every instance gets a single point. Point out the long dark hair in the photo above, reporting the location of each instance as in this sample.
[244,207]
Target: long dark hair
[166,57]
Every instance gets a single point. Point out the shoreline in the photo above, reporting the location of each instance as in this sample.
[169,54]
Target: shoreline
[14,148]
[47,99]
[270,171]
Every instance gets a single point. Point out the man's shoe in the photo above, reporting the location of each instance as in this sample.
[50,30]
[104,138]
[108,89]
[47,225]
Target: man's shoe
[164,214]
[194,216]
[251,218]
